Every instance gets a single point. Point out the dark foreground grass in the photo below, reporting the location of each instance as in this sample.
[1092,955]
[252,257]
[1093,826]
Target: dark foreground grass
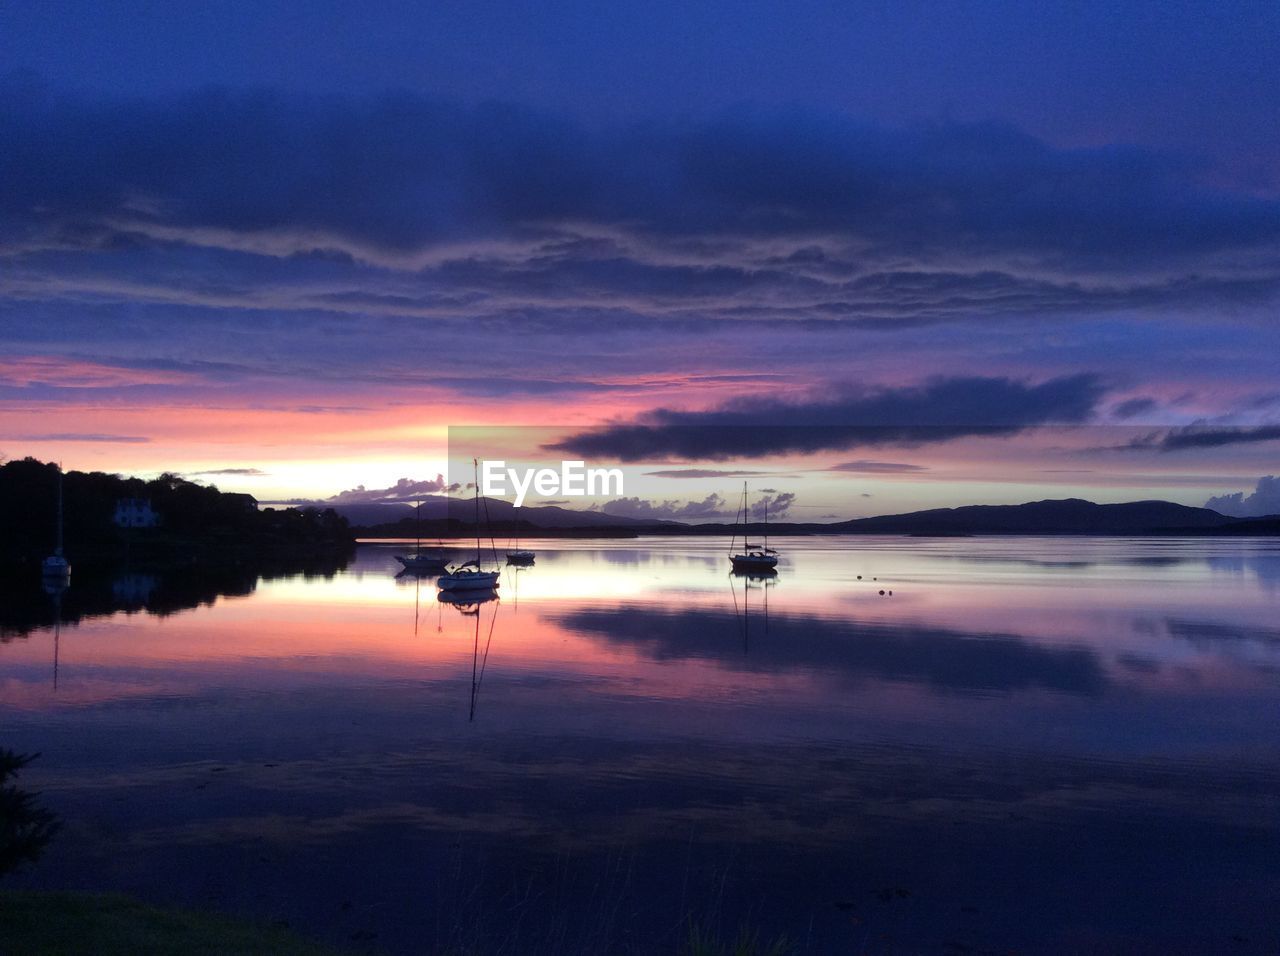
[71,924]
[748,942]
[68,924]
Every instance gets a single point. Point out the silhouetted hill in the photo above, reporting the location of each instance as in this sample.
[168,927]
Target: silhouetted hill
[1243,527]
[370,514]
[442,516]
[1061,516]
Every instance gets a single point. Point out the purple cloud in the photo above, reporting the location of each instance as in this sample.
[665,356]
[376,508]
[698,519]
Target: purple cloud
[1265,500]
[1204,436]
[404,491]
[866,467]
[938,411]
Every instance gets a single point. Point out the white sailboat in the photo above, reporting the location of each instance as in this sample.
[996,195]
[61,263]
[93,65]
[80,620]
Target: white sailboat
[470,575]
[752,557]
[56,569]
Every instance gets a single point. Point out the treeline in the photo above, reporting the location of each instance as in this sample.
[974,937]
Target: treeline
[455,528]
[197,522]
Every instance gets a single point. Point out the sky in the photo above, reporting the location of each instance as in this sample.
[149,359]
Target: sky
[881,256]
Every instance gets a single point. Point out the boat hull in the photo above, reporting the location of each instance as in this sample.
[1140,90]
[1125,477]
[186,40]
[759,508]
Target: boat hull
[469,581]
[422,562]
[753,562]
[55,568]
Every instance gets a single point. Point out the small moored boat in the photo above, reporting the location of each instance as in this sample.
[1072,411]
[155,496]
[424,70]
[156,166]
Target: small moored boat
[470,575]
[520,557]
[752,557]
[422,560]
[55,570]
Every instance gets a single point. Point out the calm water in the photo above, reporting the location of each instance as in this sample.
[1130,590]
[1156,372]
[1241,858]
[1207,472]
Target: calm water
[1033,744]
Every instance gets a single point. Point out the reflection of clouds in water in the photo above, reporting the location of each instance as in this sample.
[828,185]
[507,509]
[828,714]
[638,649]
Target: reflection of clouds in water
[1264,567]
[1211,635]
[1148,561]
[643,557]
[943,659]
[653,557]
[1244,645]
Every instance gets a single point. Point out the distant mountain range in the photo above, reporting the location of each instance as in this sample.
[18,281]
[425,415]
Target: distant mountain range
[494,510]
[440,516]
[1062,516]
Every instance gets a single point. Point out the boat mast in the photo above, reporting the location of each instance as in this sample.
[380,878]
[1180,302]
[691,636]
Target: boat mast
[58,549]
[736,520]
[475,465]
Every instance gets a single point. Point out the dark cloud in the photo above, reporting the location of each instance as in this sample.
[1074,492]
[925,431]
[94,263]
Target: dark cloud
[1134,407]
[865,467]
[704,473]
[248,472]
[1204,436]
[81,437]
[1265,500]
[940,410]
[426,207]
[776,504]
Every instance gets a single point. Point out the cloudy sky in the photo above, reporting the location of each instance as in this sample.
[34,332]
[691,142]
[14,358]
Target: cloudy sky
[891,255]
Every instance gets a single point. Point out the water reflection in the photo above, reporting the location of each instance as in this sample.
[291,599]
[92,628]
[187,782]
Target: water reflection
[1049,745]
[949,660]
[104,590]
[1264,567]
[759,580]
[469,604]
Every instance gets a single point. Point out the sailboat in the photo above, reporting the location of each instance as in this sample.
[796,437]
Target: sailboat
[752,557]
[422,560]
[56,570]
[470,575]
[520,557]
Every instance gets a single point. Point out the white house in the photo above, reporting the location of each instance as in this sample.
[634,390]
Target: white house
[135,513]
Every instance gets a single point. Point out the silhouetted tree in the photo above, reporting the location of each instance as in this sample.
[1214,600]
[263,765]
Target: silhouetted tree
[25,826]
[197,521]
